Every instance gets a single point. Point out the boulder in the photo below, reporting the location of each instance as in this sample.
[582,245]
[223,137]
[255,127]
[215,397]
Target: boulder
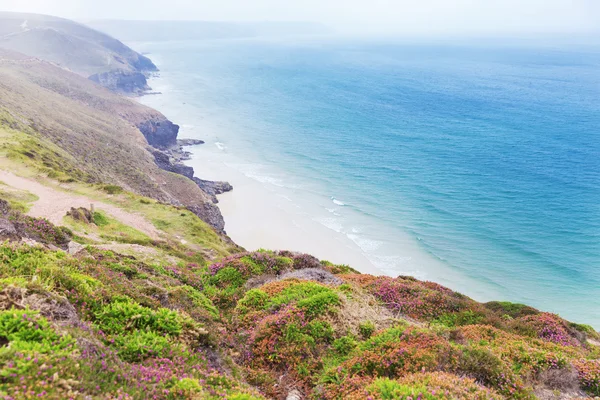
[81,214]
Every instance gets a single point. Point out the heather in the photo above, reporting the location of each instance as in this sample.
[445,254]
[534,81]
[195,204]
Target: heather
[167,320]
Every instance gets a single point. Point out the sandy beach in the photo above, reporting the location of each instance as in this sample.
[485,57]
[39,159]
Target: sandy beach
[256,216]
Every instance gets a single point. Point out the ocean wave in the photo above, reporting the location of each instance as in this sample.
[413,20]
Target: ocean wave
[337,202]
[333,211]
[365,244]
[332,223]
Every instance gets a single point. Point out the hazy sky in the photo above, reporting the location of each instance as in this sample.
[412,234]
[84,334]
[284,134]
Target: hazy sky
[398,16]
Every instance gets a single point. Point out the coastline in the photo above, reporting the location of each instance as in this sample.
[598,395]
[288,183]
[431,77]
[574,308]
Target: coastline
[270,207]
[263,211]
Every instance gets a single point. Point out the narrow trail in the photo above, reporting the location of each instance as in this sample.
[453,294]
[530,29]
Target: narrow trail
[53,204]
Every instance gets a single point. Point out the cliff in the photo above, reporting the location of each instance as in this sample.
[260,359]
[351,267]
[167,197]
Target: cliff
[104,137]
[78,48]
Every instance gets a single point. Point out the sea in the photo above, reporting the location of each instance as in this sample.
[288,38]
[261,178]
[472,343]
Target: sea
[476,165]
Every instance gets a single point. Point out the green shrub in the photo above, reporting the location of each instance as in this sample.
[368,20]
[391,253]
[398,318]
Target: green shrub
[100,219]
[31,332]
[319,303]
[344,345]
[198,299]
[366,329]
[387,389]
[452,320]
[124,316]
[112,189]
[139,345]
[514,310]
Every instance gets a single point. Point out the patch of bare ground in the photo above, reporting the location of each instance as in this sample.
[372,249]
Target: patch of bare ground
[53,204]
[358,308]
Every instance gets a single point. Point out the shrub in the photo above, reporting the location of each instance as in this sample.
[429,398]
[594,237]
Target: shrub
[514,310]
[41,229]
[125,316]
[100,219]
[459,319]
[429,386]
[31,353]
[112,189]
[546,326]
[420,300]
[344,345]
[589,375]
[366,329]
[139,345]
[313,298]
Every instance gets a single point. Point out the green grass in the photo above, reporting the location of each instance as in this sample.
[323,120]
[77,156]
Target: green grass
[19,200]
[22,147]
[109,229]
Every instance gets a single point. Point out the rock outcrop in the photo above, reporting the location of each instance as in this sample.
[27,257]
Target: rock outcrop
[160,133]
[120,81]
[210,214]
[213,188]
[170,160]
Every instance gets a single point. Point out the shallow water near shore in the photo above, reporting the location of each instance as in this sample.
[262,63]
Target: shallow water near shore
[475,167]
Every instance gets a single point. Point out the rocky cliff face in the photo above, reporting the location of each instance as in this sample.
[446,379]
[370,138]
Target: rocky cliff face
[170,160]
[120,81]
[160,133]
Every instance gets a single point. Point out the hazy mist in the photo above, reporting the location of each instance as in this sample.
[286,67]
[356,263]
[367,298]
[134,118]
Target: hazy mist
[461,17]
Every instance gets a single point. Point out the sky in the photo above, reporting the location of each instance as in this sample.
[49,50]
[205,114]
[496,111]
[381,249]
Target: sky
[493,17]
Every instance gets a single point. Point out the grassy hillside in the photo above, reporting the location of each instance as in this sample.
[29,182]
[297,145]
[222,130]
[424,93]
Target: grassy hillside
[263,325]
[68,44]
[99,305]
[73,129]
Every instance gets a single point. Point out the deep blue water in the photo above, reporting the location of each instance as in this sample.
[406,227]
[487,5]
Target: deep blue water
[489,157]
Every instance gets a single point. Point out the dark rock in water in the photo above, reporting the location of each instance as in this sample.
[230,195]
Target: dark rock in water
[161,134]
[189,142]
[213,188]
[165,160]
[210,214]
[81,214]
[122,81]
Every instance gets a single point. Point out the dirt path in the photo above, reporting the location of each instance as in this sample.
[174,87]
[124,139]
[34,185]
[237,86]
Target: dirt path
[53,204]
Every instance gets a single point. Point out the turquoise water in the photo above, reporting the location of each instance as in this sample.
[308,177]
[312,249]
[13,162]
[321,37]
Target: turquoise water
[488,157]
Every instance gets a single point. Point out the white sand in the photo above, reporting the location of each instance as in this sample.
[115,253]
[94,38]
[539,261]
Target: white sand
[256,216]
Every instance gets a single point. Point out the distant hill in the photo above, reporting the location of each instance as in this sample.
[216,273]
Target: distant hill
[131,31]
[78,48]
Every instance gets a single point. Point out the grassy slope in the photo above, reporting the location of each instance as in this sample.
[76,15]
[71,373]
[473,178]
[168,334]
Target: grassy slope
[88,128]
[67,43]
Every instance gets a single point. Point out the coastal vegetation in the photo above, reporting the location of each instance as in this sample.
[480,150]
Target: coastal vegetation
[165,320]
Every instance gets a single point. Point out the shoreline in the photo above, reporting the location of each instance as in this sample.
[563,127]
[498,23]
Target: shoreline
[275,205]
[272,208]
[292,223]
